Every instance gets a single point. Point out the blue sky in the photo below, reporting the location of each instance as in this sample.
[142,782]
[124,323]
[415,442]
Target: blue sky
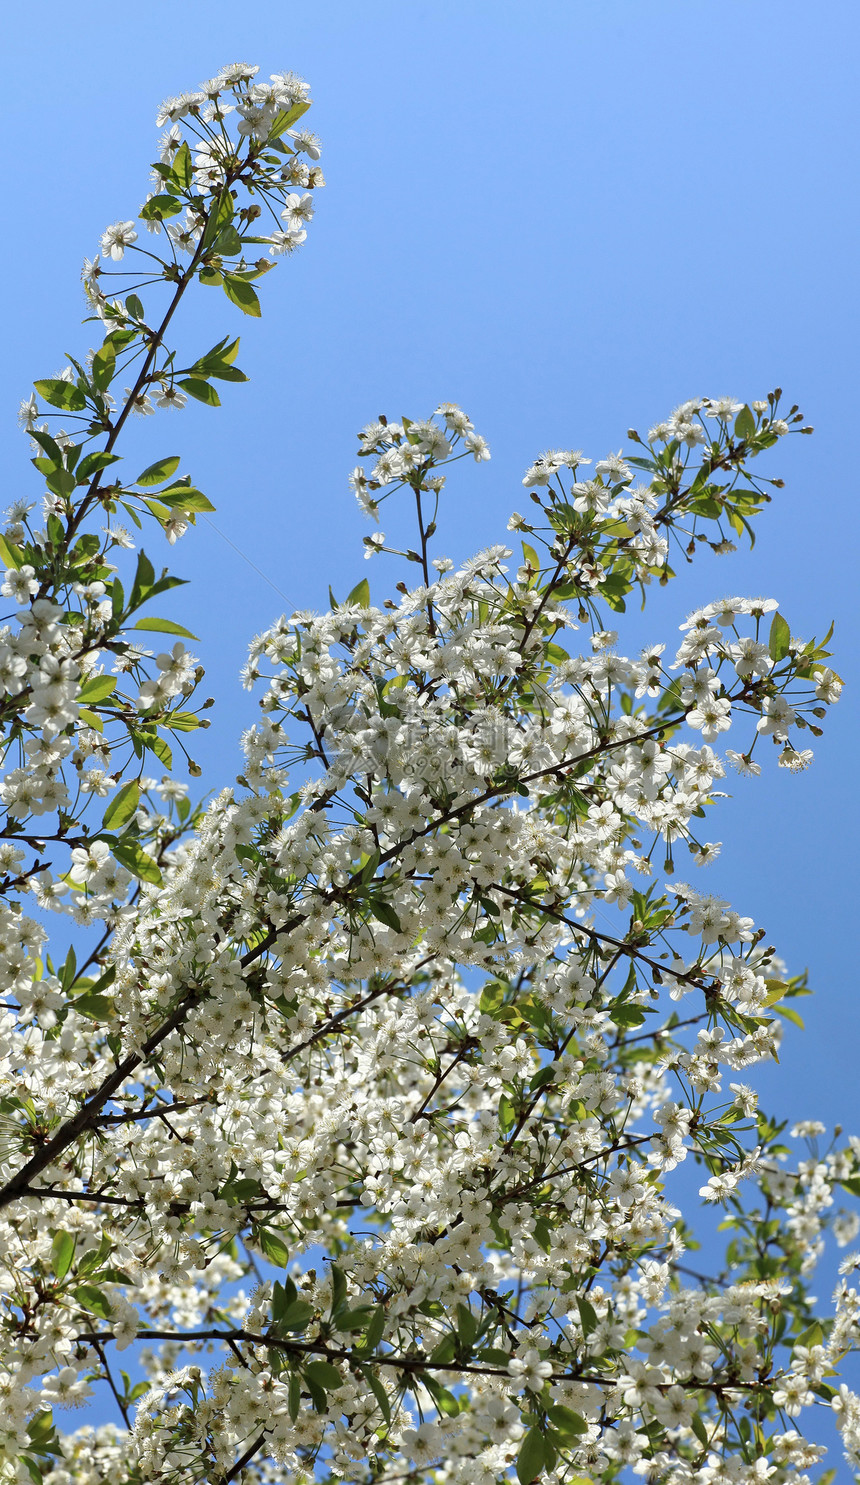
[568,217]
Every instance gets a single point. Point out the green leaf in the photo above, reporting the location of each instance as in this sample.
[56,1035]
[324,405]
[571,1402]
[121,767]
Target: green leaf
[565,1420]
[627,1015]
[375,1330]
[360,594]
[532,1456]
[61,394]
[181,169]
[467,1325]
[445,1350]
[780,638]
[164,626]
[60,482]
[92,463]
[378,1391]
[185,497]
[506,1114]
[228,242]
[156,474]
[587,1315]
[47,443]
[92,1299]
[130,854]
[201,390]
[98,689]
[284,120]
[134,306]
[445,1401]
[103,981]
[324,1374]
[157,209]
[241,294]
[745,423]
[10,555]
[296,1316]
[97,1007]
[700,1430]
[161,748]
[62,1253]
[122,807]
[181,722]
[354,1319]
[338,1288]
[385,913]
[104,366]
[274,1247]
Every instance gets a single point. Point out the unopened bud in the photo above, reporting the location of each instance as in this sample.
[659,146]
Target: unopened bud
[210,701]
[194,769]
[633,435]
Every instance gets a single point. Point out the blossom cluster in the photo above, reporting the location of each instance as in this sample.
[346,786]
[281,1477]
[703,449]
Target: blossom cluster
[356,1127]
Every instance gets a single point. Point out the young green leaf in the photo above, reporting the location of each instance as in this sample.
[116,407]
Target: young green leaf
[378,1391]
[532,1456]
[10,555]
[91,464]
[130,854]
[241,294]
[360,594]
[324,1374]
[62,1253]
[780,638]
[274,1247]
[156,474]
[200,390]
[104,366]
[98,689]
[159,208]
[745,423]
[61,394]
[164,626]
[181,169]
[122,807]
[96,1007]
[385,913]
[92,1299]
[185,497]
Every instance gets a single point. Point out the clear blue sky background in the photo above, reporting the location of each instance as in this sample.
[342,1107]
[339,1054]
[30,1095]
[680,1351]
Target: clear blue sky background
[568,217]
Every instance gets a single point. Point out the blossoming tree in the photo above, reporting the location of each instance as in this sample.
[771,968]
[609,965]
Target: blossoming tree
[353,1116]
